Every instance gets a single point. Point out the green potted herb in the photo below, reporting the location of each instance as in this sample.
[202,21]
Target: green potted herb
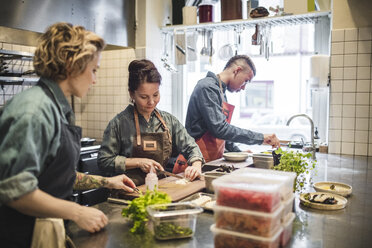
[298,162]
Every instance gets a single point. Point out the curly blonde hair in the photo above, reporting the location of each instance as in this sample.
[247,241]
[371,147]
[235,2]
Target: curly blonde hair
[65,50]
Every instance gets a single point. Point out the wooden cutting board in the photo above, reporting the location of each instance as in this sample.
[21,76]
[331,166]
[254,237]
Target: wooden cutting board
[168,185]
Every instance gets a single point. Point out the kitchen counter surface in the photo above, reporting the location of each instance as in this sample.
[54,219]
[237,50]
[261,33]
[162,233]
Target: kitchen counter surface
[349,227]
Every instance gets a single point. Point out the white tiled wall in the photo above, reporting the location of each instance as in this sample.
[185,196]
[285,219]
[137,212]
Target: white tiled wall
[350,129]
[110,95]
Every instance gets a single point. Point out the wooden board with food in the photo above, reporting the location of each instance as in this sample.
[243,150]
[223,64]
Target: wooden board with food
[176,188]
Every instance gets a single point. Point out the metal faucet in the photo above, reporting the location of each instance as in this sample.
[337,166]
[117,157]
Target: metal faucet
[313,148]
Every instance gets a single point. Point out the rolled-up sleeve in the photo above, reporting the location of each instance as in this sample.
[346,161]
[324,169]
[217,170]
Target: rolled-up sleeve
[209,103]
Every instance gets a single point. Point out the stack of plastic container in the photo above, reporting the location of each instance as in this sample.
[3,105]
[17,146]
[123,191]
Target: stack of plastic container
[253,208]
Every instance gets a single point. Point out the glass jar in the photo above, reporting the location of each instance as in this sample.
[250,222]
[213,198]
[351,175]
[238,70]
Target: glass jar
[205,12]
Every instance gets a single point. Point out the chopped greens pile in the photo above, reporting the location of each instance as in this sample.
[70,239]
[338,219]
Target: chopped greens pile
[136,210]
[297,162]
[168,230]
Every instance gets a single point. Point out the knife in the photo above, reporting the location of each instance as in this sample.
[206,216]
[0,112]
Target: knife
[169,174]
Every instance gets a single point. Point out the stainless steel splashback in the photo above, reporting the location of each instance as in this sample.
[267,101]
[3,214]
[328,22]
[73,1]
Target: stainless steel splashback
[114,20]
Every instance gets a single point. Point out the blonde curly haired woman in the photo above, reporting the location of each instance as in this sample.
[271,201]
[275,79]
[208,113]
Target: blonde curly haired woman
[40,145]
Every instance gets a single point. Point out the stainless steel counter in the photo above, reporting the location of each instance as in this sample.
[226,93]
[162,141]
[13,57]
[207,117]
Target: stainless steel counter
[349,227]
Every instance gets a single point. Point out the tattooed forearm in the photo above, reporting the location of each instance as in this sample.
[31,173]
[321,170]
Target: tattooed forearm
[84,182]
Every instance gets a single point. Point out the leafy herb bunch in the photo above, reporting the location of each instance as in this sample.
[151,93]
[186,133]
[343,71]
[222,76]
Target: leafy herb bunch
[136,210]
[297,162]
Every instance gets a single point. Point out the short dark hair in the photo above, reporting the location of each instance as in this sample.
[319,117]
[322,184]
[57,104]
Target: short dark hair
[141,71]
[244,58]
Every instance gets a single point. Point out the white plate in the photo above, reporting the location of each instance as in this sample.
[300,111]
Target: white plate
[235,156]
[339,188]
[341,201]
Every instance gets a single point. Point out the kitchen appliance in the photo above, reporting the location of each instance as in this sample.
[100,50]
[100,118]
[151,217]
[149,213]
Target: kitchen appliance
[88,165]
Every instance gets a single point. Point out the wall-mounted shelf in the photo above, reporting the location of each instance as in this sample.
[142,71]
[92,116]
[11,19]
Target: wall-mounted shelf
[312,17]
[13,68]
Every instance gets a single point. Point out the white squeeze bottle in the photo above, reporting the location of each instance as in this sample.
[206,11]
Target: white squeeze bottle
[151,179]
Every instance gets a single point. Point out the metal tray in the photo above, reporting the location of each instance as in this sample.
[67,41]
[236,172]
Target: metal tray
[198,195]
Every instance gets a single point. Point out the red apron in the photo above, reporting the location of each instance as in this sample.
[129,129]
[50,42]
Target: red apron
[211,147]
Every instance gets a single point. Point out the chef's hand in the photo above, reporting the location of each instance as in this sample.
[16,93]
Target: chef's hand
[121,182]
[90,219]
[271,139]
[193,171]
[145,165]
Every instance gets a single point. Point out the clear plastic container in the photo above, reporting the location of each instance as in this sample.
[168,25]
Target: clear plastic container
[173,220]
[287,179]
[286,234]
[224,238]
[151,180]
[249,222]
[241,192]
[288,206]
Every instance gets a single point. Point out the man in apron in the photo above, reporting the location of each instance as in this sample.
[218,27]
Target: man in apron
[209,115]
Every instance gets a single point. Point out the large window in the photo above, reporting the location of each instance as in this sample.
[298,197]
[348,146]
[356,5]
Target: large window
[281,86]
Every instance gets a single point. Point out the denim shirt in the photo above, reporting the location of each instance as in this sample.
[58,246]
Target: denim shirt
[29,137]
[118,138]
[204,113]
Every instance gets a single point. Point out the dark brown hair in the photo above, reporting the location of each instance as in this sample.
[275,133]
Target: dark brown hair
[241,58]
[141,71]
[65,50]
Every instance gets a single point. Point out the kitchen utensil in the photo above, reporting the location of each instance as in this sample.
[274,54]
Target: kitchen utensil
[235,156]
[342,189]
[226,52]
[204,50]
[136,190]
[180,44]
[165,57]
[118,201]
[341,201]
[170,174]
[191,39]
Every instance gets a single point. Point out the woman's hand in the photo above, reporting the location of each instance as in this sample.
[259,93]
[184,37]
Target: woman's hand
[271,139]
[90,219]
[121,182]
[145,164]
[193,171]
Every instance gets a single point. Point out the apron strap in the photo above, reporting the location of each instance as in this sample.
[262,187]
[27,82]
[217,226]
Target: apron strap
[164,125]
[138,131]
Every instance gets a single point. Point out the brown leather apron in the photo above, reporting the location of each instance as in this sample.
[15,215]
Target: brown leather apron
[211,147]
[156,146]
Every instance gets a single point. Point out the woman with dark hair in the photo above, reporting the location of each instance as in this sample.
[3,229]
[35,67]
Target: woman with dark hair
[142,136]
[40,145]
